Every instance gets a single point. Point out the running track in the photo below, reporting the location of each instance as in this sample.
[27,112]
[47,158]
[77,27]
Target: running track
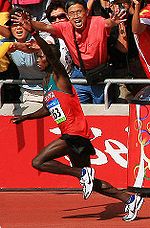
[65,210]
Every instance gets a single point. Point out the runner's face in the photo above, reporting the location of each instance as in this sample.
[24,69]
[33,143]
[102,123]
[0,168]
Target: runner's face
[77,16]
[41,61]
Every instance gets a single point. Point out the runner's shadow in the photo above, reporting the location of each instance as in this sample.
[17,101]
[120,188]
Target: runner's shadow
[111,210]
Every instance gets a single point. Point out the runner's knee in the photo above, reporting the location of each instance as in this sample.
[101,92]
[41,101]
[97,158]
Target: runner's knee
[36,163]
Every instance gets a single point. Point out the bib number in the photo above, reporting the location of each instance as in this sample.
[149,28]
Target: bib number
[56,111]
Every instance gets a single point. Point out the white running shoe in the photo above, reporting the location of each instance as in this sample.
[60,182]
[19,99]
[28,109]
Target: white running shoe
[87,178]
[133,207]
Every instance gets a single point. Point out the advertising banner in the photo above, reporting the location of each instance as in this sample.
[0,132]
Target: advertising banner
[20,144]
[139,147]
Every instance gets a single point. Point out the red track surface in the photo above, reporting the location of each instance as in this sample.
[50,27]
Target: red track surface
[58,209]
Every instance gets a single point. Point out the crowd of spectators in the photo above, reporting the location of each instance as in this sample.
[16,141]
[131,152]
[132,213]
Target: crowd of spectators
[89,34]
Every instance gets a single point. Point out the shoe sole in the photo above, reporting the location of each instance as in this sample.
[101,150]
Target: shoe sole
[138,205]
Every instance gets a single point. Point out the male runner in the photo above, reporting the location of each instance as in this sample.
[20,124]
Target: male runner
[62,103]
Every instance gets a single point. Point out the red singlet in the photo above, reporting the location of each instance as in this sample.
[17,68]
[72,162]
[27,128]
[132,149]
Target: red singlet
[66,110]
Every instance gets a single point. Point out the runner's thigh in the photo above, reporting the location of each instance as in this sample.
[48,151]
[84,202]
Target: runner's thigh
[55,149]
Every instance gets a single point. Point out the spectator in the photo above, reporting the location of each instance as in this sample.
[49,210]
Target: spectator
[35,7]
[26,62]
[99,7]
[8,70]
[56,8]
[4,16]
[122,48]
[141,30]
[123,52]
[117,42]
[55,13]
[127,64]
[93,48]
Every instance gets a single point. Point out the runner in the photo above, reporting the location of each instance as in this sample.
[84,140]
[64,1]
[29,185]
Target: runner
[62,103]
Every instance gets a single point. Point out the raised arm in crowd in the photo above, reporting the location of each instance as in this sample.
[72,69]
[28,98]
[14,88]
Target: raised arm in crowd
[137,27]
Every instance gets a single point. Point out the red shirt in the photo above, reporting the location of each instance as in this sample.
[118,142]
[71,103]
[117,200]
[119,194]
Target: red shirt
[5,5]
[92,41]
[26,2]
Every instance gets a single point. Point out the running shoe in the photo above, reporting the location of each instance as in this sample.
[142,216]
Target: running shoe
[132,207]
[87,178]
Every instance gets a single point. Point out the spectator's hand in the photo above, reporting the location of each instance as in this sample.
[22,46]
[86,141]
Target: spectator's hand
[136,2]
[7,26]
[12,47]
[118,15]
[17,119]
[26,47]
[23,19]
[33,46]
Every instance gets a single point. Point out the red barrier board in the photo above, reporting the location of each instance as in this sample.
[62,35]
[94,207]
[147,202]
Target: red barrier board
[20,144]
[139,147]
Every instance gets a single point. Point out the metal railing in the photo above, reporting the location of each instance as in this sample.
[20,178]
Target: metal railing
[33,82]
[19,81]
[120,81]
[80,81]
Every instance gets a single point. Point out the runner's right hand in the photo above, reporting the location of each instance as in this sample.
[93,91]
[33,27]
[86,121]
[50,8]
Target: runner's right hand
[17,119]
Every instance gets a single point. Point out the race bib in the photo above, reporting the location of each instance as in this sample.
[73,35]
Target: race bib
[56,111]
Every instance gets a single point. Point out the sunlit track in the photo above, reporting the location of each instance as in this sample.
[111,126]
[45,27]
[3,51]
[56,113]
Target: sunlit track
[58,209]
[52,209]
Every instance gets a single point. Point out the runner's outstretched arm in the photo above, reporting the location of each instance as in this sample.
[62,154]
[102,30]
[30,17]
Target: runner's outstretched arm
[42,112]
[53,57]
[32,27]
[52,54]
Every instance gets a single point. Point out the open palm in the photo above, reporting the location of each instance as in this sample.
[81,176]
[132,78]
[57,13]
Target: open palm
[23,19]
